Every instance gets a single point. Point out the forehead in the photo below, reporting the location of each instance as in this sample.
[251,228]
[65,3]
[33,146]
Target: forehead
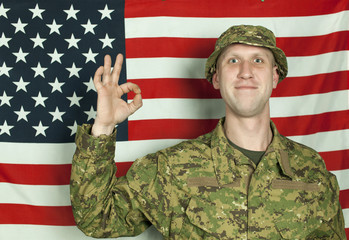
[245,50]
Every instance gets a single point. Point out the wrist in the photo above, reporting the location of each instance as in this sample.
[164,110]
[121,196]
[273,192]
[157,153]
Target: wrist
[98,130]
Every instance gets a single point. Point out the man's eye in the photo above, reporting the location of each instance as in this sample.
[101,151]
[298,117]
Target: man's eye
[233,60]
[258,60]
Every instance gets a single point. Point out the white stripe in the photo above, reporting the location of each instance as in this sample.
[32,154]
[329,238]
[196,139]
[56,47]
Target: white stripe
[191,27]
[36,153]
[346,217]
[38,195]
[150,68]
[35,232]
[342,178]
[325,141]
[214,108]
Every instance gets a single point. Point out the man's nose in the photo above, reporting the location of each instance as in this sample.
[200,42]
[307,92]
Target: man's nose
[245,70]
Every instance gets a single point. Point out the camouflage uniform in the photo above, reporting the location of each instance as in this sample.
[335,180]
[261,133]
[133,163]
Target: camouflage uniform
[206,189]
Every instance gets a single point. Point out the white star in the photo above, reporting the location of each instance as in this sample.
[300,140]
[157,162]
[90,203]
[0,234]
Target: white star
[4,70]
[5,99]
[20,55]
[38,41]
[90,56]
[36,11]
[21,85]
[107,41]
[5,128]
[71,12]
[54,27]
[106,12]
[40,129]
[73,128]
[74,100]
[39,100]
[90,85]
[74,71]
[22,114]
[39,70]
[73,42]
[19,26]
[3,11]
[4,40]
[56,86]
[57,115]
[56,57]
[89,27]
[91,114]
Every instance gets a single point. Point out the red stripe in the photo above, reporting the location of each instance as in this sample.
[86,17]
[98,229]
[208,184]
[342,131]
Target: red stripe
[310,124]
[201,88]
[347,232]
[228,8]
[343,198]
[37,215]
[122,168]
[336,160]
[203,47]
[35,174]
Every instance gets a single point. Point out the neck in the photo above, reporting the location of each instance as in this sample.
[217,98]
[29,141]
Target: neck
[250,133]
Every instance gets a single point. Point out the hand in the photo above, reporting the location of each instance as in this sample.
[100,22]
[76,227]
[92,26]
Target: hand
[111,109]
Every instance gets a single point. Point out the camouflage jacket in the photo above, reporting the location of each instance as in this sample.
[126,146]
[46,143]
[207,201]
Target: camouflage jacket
[206,189]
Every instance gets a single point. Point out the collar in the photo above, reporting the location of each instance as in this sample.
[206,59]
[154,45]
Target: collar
[226,158]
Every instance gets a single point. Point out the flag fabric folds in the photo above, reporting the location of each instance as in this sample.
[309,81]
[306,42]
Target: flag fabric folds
[49,52]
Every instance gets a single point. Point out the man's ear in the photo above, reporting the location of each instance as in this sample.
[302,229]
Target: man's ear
[275,76]
[215,81]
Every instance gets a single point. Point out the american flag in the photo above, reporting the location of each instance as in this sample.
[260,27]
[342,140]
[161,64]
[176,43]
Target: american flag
[49,51]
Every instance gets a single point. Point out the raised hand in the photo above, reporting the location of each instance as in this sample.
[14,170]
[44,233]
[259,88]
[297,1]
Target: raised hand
[111,109]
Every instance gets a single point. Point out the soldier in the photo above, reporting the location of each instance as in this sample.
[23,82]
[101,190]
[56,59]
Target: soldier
[243,180]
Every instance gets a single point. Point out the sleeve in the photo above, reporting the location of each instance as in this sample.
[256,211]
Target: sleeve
[103,205]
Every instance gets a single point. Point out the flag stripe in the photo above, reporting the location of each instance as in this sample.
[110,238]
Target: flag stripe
[214,108]
[150,68]
[343,198]
[189,27]
[28,214]
[203,47]
[223,8]
[201,88]
[334,159]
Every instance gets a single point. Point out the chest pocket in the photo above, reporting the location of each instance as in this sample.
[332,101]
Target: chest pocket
[302,207]
[215,220]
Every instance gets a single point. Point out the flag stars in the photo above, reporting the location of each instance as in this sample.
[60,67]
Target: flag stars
[89,27]
[22,114]
[55,56]
[19,26]
[90,114]
[54,27]
[74,100]
[39,70]
[4,70]
[73,42]
[73,128]
[71,13]
[37,11]
[39,100]
[4,40]
[106,12]
[57,115]
[107,42]
[20,55]
[4,128]
[90,56]
[56,86]
[90,85]
[3,10]
[21,85]
[40,129]
[74,71]
[38,41]
[5,99]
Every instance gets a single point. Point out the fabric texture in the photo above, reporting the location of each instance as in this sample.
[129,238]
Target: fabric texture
[206,189]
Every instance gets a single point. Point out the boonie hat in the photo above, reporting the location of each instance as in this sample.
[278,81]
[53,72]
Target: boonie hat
[250,35]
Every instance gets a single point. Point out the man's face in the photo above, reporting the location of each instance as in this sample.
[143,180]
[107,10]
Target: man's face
[246,76]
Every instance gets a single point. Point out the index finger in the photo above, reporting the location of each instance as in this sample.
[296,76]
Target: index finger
[117,68]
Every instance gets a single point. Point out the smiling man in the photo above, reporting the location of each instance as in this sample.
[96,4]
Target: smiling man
[243,180]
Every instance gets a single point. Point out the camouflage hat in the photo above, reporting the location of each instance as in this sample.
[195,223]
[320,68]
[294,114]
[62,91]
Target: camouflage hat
[250,35]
